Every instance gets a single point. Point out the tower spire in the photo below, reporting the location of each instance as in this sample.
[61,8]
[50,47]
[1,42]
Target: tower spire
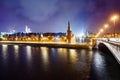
[69,33]
[68,25]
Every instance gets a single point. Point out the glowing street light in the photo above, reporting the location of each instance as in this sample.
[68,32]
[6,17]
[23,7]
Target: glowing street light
[114,18]
[106,26]
[97,34]
[101,30]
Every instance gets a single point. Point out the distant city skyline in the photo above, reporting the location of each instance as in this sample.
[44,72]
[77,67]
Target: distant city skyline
[53,15]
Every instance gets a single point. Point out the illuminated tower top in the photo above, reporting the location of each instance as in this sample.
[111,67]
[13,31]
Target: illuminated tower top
[68,25]
[69,33]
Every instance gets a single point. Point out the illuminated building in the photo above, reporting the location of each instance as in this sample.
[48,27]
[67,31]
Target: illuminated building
[69,33]
[27,29]
[12,31]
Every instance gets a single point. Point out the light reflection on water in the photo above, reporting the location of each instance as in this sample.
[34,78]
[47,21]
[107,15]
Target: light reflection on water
[100,65]
[62,54]
[45,57]
[28,53]
[4,51]
[73,55]
[99,61]
[44,52]
[104,67]
[16,49]
[90,53]
[70,63]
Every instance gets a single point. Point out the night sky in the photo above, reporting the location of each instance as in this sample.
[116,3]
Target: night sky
[53,15]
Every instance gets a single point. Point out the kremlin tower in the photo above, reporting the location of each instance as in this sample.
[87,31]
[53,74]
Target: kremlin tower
[69,33]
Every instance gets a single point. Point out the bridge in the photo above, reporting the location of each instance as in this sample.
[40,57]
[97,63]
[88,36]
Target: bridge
[113,44]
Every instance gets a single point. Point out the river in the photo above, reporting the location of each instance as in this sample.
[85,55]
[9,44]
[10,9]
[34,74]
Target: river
[18,62]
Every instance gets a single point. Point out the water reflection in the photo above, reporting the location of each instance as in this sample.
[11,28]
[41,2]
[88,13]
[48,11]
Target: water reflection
[44,52]
[51,63]
[62,54]
[83,53]
[60,50]
[4,50]
[99,61]
[99,65]
[16,50]
[90,53]
[73,55]
[54,52]
[28,49]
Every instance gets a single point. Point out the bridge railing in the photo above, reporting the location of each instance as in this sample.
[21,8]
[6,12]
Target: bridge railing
[114,41]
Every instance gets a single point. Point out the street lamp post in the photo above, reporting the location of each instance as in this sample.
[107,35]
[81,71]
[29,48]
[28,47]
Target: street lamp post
[114,18]
[114,27]
[105,27]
